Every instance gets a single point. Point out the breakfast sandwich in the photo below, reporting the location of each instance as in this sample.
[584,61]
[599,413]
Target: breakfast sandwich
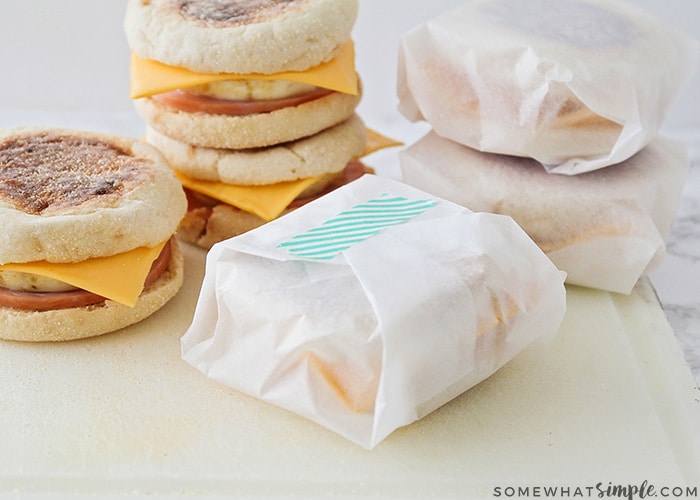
[577,85]
[604,228]
[369,308]
[87,243]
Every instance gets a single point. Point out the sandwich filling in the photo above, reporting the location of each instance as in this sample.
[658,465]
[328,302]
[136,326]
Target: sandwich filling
[199,100]
[35,292]
[149,78]
[198,197]
[209,219]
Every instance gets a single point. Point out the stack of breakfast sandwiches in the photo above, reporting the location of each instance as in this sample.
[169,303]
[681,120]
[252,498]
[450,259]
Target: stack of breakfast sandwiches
[252,103]
[549,112]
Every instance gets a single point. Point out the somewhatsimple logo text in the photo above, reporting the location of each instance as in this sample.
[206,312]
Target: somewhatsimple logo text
[643,490]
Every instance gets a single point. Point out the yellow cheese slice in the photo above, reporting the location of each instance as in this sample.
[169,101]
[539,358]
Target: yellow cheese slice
[150,77]
[119,278]
[377,141]
[267,202]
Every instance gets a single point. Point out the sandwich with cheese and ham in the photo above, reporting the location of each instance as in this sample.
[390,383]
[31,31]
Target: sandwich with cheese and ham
[251,102]
[87,244]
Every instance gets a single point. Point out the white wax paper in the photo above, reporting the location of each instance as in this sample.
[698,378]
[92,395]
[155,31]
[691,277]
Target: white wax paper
[605,228]
[497,75]
[383,332]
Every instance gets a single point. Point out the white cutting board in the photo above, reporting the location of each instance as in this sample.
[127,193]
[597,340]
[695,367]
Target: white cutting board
[610,401]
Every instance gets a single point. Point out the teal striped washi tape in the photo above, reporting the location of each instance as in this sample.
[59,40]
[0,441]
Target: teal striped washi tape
[353,226]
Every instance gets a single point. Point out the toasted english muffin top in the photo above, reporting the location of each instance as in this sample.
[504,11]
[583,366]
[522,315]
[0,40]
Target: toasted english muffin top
[242,37]
[66,195]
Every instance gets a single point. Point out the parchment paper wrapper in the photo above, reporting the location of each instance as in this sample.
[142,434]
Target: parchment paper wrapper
[405,301]
[575,84]
[605,228]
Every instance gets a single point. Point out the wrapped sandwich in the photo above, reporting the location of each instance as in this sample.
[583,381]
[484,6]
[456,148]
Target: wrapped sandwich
[252,103]
[371,307]
[604,228]
[87,244]
[575,84]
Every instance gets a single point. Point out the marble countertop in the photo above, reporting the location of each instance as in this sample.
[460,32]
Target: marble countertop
[676,281]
